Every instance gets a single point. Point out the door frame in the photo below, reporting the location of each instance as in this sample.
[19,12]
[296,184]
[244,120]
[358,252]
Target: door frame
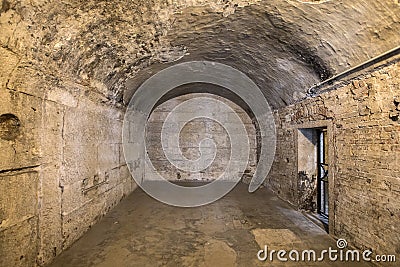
[331,163]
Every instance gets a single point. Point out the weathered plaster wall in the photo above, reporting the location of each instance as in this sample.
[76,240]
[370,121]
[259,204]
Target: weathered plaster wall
[61,141]
[191,135]
[363,120]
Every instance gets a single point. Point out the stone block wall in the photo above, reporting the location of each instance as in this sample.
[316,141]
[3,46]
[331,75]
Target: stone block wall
[61,162]
[192,134]
[362,116]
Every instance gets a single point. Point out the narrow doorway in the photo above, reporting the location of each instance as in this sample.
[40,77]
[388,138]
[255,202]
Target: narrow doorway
[323,175]
[313,174]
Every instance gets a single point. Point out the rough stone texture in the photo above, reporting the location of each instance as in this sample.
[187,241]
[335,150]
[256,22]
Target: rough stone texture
[191,135]
[365,168]
[48,170]
[56,138]
[68,67]
[284,46]
[94,172]
[18,218]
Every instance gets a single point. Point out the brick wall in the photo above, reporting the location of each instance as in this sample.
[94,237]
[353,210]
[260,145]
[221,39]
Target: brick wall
[191,135]
[363,120]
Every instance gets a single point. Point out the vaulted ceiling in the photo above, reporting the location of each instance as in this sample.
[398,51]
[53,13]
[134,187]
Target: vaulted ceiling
[285,46]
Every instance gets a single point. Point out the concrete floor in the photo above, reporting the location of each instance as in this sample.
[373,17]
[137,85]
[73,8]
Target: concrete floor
[141,231]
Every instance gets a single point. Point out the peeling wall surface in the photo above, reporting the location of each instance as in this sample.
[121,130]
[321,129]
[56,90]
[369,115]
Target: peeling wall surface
[69,68]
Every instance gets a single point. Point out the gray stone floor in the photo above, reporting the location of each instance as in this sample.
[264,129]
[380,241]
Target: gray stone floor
[141,231]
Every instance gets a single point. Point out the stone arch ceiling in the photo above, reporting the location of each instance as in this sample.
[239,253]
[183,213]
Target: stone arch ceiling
[113,46]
